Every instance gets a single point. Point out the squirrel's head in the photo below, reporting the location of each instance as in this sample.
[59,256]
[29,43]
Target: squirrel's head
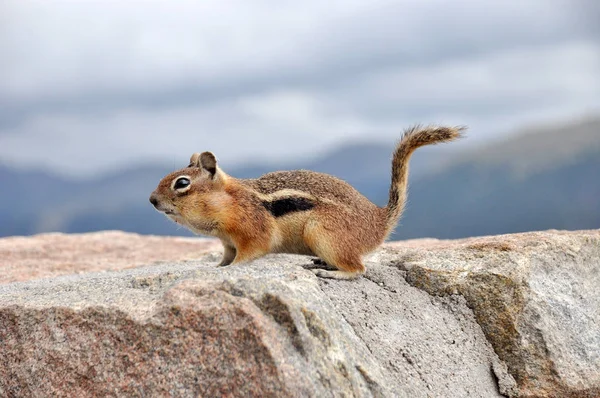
[193,196]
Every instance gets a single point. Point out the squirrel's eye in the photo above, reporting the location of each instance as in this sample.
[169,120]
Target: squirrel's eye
[182,182]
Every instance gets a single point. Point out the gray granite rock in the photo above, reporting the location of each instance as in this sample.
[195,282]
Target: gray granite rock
[270,328]
[514,315]
[536,297]
[181,330]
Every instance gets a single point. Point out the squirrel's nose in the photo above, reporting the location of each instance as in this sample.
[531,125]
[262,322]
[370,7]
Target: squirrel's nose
[153,200]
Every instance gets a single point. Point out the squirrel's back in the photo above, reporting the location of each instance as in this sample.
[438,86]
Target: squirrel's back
[318,185]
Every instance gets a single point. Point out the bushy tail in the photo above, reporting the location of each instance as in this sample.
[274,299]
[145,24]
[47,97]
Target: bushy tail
[412,139]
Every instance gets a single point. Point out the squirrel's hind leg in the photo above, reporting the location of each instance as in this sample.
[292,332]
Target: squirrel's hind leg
[334,252]
[341,275]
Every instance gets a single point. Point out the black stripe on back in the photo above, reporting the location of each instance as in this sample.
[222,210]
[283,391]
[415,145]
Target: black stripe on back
[281,207]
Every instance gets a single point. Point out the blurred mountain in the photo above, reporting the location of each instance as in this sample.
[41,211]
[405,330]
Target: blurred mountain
[548,177]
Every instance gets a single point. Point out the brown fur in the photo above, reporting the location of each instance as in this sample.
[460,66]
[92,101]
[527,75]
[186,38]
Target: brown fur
[412,139]
[339,226]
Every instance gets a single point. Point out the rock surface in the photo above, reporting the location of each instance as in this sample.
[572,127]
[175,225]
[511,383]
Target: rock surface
[514,315]
[48,255]
[181,330]
[536,296]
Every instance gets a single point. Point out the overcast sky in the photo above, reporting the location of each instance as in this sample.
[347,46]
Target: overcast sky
[89,86]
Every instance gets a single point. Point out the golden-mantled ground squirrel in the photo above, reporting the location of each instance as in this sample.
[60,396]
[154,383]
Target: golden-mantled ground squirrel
[299,212]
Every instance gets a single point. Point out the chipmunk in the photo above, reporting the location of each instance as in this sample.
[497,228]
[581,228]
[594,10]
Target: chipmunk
[298,212]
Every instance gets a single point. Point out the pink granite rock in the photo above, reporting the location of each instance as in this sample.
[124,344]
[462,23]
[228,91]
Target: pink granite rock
[48,255]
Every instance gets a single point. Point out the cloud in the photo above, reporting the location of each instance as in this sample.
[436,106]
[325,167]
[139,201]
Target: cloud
[280,123]
[92,85]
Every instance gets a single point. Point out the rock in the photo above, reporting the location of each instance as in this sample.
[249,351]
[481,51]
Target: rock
[429,346]
[269,328]
[181,330]
[48,255]
[536,296]
[512,315]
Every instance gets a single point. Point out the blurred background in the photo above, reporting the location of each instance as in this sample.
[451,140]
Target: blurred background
[100,99]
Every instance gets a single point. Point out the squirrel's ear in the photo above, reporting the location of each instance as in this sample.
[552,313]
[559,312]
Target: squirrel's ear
[208,161]
[195,160]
